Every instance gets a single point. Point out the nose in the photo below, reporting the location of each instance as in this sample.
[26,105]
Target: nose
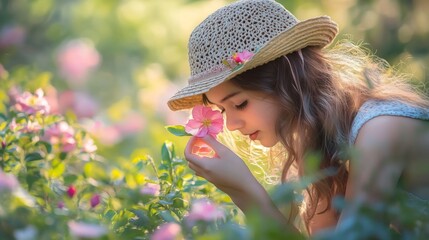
[234,122]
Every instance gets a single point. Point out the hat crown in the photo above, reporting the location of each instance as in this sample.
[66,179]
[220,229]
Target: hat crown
[243,25]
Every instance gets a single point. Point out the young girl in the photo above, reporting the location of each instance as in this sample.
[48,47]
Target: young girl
[274,80]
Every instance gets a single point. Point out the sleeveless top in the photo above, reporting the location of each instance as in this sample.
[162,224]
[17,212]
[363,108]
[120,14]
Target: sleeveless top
[374,108]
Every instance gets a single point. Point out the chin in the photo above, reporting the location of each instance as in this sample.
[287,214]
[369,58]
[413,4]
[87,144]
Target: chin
[268,144]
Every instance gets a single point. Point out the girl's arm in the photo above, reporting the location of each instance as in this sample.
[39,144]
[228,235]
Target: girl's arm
[381,147]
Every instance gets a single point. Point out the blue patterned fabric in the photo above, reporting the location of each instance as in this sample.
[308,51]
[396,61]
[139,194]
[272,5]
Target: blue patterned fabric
[374,108]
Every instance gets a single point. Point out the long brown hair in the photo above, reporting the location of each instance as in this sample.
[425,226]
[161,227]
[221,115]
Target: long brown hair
[320,91]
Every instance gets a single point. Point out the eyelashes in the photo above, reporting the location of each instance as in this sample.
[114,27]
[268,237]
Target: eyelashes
[241,106]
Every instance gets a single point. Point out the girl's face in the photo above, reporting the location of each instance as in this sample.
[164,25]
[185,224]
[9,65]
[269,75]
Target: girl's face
[252,113]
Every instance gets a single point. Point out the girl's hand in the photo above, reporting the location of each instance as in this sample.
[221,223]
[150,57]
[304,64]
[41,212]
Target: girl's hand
[225,169]
[230,174]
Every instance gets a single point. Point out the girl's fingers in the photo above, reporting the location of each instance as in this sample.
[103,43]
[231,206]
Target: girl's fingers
[195,168]
[191,157]
[218,147]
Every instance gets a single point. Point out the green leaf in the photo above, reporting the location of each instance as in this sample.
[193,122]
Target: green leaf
[167,216]
[33,157]
[47,145]
[166,153]
[177,130]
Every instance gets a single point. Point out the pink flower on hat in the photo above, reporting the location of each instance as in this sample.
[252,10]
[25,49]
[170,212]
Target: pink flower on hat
[242,57]
[205,121]
[167,231]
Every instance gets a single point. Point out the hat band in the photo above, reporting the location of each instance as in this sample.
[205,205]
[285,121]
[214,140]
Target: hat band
[212,72]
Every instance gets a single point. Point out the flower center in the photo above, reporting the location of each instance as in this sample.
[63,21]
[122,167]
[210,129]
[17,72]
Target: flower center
[207,122]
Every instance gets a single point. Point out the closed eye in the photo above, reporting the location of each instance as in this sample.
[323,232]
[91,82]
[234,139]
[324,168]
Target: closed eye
[242,105]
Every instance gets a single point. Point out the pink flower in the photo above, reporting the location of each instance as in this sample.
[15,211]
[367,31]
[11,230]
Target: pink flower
[205,122]
[31,104]
[106,134]
[132,123]
[150,189]
[60,205]
[13,125]
[88,145]
[76,59]
[95,200]
[71,191]
[242,57]
[31,127]
[8,182]
[63,134]
[12,35]
[204,210]
[167,231]
[81,103]
[86,230]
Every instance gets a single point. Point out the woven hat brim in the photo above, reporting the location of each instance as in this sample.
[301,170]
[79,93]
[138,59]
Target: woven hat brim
[319,31]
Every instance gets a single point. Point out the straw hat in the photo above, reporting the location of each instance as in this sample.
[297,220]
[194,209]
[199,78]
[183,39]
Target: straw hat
[262,27]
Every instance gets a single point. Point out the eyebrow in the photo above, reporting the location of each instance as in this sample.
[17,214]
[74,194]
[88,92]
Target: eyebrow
[229,96]
[225,98]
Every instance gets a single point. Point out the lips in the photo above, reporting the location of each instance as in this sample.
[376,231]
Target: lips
[254,135]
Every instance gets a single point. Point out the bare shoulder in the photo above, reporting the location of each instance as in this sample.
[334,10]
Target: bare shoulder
[392,132]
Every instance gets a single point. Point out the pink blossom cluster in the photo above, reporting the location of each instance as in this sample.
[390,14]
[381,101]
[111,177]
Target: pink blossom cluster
[167,231]
[86,230]
[110,134]
[27,127]
[204,210]
[12,35]
[76,59]
[82,104]
[152,189]
[32,104]
[8,182]
[61,134]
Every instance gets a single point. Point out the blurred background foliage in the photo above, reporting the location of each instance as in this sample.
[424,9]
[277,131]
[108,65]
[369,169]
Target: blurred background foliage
[128,57]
